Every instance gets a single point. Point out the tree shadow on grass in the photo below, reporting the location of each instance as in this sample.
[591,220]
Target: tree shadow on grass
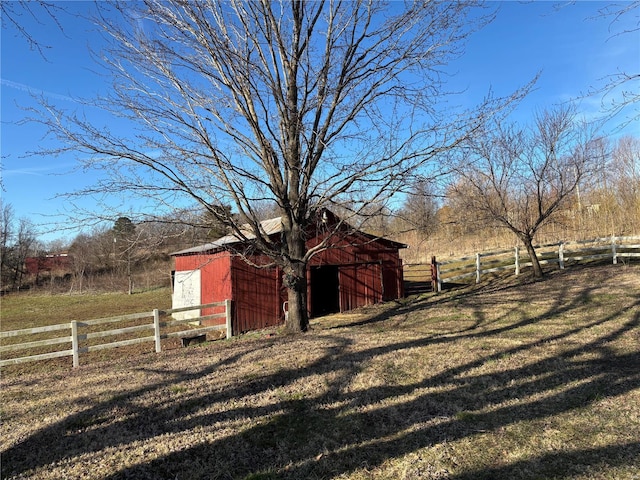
[548,465]
[338,430]
[474,297]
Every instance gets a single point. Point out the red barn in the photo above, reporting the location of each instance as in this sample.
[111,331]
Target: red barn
[48,263]
[357,269]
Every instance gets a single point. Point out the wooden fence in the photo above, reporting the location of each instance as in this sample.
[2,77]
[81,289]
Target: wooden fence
[85,336]
[419,276]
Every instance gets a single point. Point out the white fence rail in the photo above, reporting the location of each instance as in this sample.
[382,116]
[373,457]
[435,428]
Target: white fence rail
[77,340]
[562,253]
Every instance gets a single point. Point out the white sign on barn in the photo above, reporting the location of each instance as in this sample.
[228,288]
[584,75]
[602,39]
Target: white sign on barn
[186,293]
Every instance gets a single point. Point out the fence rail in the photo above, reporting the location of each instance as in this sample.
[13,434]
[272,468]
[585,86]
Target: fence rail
[480,264]
[80,335]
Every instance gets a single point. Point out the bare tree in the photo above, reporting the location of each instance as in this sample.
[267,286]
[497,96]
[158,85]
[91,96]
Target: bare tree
[519,179]
[7,227]
[18,240]
[625,172]
[126,239]
[420,207]
[83,260]
[40,10]
[300,105]
[621,89]
[26,245]
[132,246]
[374,218]
[94,255]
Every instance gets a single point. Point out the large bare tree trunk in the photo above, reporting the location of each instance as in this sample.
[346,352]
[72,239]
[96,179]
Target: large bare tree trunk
[295,277]
[296,283]
[533,255]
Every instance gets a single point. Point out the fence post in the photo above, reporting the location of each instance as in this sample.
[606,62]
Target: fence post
[613,249]
[156,329]
[227,309]
[434,274]
[74,343]
[478,271]
[517,255]
[439,277]
[561,255]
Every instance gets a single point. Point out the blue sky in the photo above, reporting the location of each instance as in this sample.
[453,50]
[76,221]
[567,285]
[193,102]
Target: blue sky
[572,47]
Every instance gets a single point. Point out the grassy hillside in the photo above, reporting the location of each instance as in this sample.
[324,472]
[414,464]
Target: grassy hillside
[505,381]
[35,310]
[26,310]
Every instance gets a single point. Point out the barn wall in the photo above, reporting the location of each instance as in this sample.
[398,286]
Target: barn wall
[355,250]
[215,280]
[48,263]
[257,296]
[392,277]
[360,285]
[369,271]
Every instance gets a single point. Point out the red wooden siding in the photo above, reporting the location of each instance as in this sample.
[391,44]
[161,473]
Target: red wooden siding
[360,285]
[215,280]
[256,296]
[392,278]
[387,284]
[48,263]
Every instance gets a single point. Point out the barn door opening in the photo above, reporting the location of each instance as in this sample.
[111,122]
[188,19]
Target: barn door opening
[325,297]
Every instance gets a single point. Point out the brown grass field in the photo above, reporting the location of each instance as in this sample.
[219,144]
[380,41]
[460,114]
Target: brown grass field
[507,380]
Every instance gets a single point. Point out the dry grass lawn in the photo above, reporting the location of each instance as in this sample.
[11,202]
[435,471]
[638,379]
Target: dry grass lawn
[503,381]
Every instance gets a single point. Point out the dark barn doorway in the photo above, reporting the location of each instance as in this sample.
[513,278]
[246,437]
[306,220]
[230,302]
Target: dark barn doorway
[325,297]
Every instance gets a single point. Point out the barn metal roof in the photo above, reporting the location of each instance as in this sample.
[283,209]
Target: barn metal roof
[270,227]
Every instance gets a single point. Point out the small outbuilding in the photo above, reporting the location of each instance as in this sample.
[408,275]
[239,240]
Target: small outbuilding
[60,262]
[356,269]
